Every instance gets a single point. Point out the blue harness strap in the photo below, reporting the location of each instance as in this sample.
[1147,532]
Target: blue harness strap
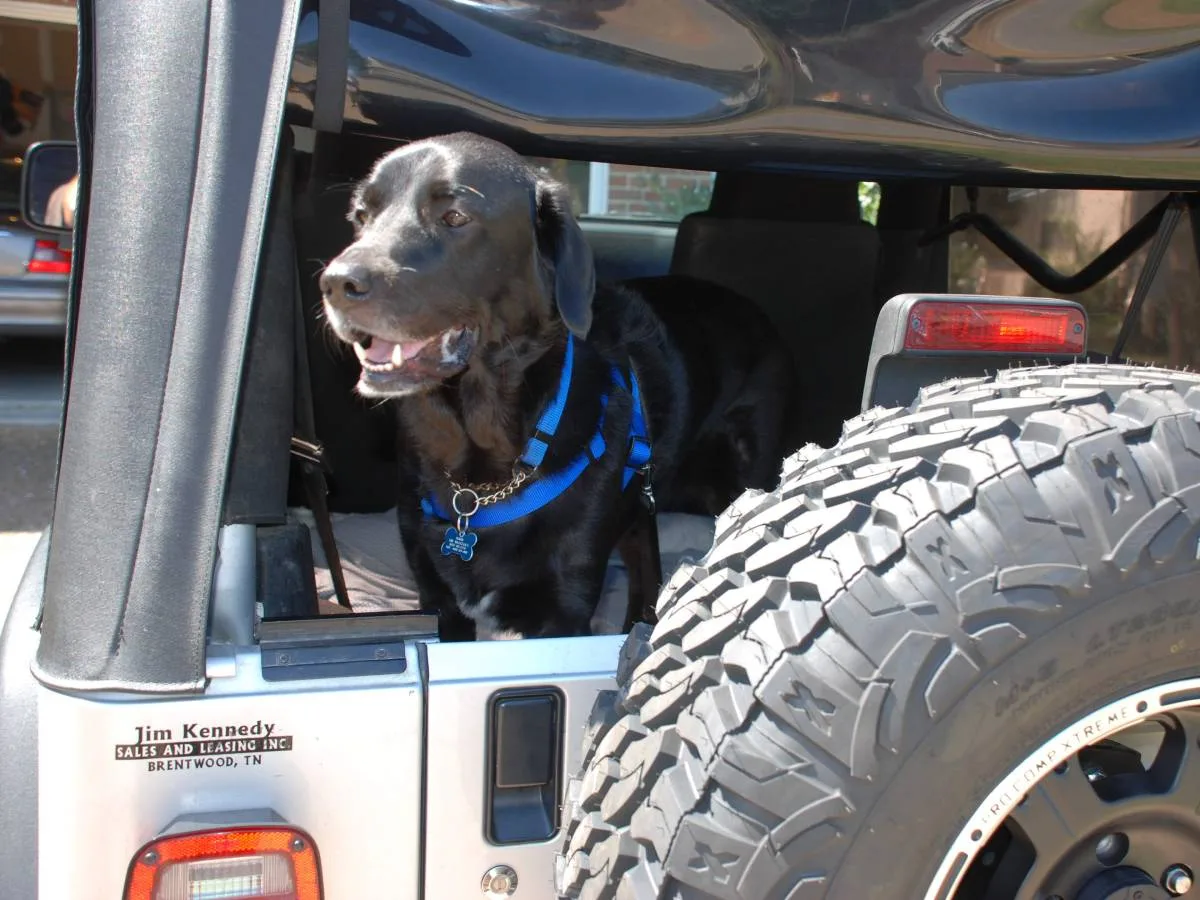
[541,491]
[547,425]
[639,439]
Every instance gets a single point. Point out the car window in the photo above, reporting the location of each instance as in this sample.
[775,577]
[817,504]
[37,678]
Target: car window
[604,190]
[1070,228]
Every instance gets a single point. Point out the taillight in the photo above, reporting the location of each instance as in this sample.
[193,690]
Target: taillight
[49,259]
[996,327]
[273,863]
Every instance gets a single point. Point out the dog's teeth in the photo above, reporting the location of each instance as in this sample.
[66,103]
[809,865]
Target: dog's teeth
[397,355]
[360,351]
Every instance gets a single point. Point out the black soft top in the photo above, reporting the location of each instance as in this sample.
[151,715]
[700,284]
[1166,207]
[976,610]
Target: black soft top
[986,90]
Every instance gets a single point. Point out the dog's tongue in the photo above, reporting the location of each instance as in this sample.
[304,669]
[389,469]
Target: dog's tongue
[382,351]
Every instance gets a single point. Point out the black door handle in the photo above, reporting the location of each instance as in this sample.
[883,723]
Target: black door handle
[524,765]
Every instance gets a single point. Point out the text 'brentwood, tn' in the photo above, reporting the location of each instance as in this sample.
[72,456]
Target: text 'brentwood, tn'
[192,739]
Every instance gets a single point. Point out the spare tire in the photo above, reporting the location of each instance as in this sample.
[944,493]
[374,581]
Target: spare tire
[847,697]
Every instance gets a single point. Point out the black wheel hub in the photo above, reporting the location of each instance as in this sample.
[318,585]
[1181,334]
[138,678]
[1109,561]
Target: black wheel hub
[1110,823]
[1123,883]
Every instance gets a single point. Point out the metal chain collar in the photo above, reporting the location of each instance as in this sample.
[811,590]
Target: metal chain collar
[468,498]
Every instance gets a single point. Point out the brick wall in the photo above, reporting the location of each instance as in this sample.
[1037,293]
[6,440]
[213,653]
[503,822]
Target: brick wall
[657,193]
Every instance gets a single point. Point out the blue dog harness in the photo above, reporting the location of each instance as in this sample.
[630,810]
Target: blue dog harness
[503,506]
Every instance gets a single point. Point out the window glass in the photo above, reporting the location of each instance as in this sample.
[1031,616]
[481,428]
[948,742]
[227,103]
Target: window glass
[631,192]
[663,194]
[1069,229]
[571,173]
[869,195]
[647,192]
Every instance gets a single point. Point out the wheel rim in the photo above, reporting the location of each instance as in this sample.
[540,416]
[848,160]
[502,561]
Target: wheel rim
[1107,809]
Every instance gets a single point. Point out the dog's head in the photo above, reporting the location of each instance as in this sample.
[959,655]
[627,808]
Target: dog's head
[459,245]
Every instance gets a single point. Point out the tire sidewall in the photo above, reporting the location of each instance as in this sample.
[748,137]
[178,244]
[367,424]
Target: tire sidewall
[1110,649]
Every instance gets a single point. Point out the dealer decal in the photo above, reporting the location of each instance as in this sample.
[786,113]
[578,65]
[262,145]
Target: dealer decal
[191,745]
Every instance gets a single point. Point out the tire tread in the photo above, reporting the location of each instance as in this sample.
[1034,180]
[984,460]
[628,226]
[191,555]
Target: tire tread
[837,617]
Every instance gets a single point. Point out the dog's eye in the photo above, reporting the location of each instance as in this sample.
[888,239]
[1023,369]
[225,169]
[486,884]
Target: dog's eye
[360,216]
[454,218]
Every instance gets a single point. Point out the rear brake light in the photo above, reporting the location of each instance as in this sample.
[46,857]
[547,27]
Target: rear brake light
[49,259]
[229,864]
[995,327]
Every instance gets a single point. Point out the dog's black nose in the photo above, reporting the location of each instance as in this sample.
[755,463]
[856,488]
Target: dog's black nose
[342,280]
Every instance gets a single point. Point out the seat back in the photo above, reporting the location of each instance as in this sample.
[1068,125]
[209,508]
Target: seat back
[801,251]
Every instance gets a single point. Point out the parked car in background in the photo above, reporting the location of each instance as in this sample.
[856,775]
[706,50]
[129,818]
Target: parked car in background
[34,266]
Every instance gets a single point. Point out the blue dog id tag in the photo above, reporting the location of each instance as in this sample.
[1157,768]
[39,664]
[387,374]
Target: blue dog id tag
[459,543]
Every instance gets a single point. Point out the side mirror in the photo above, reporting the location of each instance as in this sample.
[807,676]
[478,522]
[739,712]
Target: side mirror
[49,185]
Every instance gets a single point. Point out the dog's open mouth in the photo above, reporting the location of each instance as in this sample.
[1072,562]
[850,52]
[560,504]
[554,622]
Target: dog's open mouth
[378,355]
[409,363]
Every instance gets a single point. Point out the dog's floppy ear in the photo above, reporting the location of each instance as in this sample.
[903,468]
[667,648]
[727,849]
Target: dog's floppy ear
[562,244]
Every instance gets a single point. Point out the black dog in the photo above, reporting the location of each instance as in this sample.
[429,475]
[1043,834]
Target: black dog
[469,295]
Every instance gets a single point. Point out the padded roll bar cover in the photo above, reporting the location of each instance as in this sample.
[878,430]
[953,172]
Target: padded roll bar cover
[189,103]
[895,375]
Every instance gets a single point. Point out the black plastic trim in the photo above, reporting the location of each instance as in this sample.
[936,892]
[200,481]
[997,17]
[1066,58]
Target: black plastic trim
[333,661]
[545,799]
[340,646]
[360,628]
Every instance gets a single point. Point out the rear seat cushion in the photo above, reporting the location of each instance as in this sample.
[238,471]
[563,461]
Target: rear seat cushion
[378,578]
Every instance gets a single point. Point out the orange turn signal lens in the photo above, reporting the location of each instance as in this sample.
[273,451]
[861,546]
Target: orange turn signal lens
[995,327]
[273,863]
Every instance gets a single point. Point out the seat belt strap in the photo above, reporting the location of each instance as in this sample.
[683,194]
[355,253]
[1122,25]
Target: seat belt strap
[333,47]
[311,455]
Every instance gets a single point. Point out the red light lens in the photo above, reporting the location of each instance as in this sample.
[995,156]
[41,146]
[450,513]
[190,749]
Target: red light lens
[49,259]
[228,864]
[995,328]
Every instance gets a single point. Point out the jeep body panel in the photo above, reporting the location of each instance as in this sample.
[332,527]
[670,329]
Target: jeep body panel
[341,758]
[463,679]
[115,771]
[19,729]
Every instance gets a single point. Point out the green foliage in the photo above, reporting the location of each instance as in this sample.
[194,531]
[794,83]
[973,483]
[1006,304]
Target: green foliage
[868,201]
[676,203]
